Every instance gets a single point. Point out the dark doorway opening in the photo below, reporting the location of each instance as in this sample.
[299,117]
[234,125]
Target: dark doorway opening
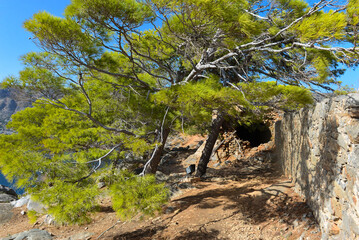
[256,133]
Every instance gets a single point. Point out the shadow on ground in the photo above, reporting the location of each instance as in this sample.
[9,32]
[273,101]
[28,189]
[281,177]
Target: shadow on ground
[246,192]
[145,233]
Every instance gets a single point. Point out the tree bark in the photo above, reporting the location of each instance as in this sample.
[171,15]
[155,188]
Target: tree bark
[151,168]
[217,122]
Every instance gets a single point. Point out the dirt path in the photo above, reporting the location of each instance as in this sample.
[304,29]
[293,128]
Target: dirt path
[259,208]
[256,207]
[241,200]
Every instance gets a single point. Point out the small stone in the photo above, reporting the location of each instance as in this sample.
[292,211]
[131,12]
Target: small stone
[160,176]
[195,179]
[81,236]
[295,223]
[191,169]
[217,165]
[101,185]
[185,185]
[49,220]
[354,111]
[23,212]
[334,230]
[169,210]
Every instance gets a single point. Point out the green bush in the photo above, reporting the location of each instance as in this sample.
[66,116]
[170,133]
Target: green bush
[132,194]
[69,202]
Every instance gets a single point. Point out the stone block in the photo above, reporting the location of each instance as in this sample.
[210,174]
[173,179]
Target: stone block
[21,202]
[343,141]
[350,222]
[33,234]
[35,206]
[353,159]
[352,129]
[338,191]
[6,198]
[81,236]
[5,212]
[191,169]
[336,207]
[334,229]
[354,112]
[7,190]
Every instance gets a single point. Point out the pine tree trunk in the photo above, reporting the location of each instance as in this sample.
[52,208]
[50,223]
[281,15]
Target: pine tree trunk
[152,166]
[217,122]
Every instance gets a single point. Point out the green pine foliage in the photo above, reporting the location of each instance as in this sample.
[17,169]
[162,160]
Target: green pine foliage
[198,100]
[48,156]
[323,25]
[133,195]
[68,202]
[33,216]
[270,94]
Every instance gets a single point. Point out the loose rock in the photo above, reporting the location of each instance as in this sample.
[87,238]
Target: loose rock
[21,202]
[33,234]
[7,190]
[35,206]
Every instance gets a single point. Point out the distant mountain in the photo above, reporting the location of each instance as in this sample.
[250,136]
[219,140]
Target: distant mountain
[10,102]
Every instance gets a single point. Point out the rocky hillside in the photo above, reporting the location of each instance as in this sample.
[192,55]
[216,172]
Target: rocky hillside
[9,104]
[240,198]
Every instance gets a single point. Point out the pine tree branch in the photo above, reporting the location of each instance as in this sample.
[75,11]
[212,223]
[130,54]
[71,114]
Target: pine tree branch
[99,160]
[90,117]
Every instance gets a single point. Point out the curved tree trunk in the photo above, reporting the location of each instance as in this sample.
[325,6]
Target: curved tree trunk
[217,122]
[151,167]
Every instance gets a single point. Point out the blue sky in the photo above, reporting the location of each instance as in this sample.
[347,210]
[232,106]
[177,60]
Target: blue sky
[15,42]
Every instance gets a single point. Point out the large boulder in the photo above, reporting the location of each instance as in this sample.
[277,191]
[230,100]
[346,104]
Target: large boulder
[33,234]
[6,198]
[7,194]
[81,236]
[35,206]
[7,190]
[5,212]
[21,202]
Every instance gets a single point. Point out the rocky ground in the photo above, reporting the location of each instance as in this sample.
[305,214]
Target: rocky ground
[241,197]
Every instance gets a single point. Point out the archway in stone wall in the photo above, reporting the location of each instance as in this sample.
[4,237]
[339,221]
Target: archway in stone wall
[256,133]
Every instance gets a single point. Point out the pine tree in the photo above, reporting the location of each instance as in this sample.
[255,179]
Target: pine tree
[116,76]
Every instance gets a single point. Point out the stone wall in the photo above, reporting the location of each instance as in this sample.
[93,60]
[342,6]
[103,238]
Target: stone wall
[318,148]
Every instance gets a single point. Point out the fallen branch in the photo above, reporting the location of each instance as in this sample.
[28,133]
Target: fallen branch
[239,148]
[108,229]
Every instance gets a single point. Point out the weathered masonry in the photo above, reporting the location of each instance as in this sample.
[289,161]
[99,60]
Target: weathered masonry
[318,148]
